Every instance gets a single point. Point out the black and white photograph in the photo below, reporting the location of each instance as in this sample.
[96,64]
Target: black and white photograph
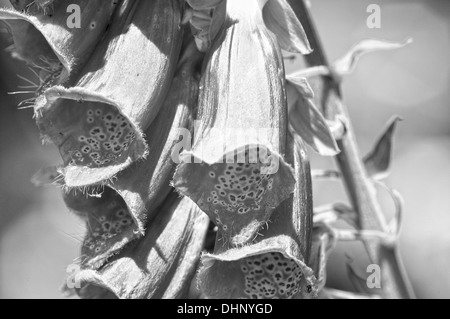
[210,152]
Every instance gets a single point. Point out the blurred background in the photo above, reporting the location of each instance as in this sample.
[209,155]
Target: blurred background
[39,237]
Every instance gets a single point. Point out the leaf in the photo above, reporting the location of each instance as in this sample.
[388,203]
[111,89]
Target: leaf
[302,85]
[307,121]
[378,161]
[347,64]
[282,21]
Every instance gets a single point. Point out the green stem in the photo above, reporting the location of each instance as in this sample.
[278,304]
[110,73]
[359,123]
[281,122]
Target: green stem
[359,188]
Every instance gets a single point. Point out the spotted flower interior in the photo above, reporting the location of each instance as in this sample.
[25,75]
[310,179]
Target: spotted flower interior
[271,276]
[237,196]
[90,134]
[263,271]
[109,224]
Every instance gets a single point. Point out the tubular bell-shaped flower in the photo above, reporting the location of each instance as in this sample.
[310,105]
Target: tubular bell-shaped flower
[109,223]
[275,264]
[98,122]
[236,172]
[143,186]
[45,24]
[159,265]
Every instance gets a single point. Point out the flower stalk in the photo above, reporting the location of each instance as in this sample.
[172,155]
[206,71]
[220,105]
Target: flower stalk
[359,187]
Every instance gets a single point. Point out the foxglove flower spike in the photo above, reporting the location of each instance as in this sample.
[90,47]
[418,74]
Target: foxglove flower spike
[159,265]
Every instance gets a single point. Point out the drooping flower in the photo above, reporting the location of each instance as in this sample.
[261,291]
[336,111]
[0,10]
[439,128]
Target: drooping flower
[236,172]
[275,264]
[43,25]
[142,187]
[109,224]
[98,122]
[159,265]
